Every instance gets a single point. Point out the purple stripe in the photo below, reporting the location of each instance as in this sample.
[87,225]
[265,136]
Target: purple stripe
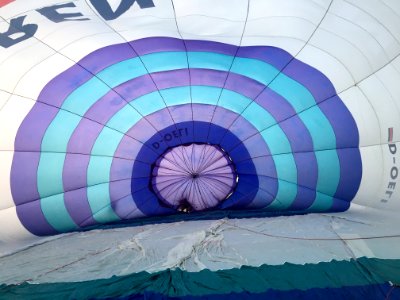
[168,79]
[276,105]
[74,183]
[32,218]
[58,89]
[78,207]
[157,44]
[271,55]
[209,46]
[350,164]
[120,207]
[24,188]
[307,176]
[107,56]
[32,129]
[136,87]
[105,107]
[73,176]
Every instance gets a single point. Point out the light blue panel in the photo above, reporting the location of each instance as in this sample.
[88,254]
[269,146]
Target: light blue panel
[98,177]
[285,196]
[99,170]
[234,101]
[49,174]
[80,100]
[107,142]
[209,60]
[59,132]
[123,118]
[286,167]
[295,93]
[255,69]
[322,203]
[162,61]
[276,140]
[176,96]
[286,173]
[147,104]
[56,214]
[328,171]
[123,71]
[205,94]
[259,117]
[320,129]
[100,203]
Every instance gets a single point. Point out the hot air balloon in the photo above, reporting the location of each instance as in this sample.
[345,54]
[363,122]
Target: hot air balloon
[119,113]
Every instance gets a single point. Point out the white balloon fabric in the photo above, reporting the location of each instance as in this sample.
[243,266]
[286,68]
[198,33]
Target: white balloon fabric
[162,117]
[299,99]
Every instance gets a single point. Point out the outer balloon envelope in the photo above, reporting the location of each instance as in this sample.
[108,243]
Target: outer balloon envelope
[154,111]
[106,112]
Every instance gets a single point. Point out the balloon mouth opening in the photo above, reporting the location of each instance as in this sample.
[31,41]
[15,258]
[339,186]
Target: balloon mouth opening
[193,177]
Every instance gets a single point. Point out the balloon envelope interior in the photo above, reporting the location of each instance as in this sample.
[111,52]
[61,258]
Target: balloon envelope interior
[135,109]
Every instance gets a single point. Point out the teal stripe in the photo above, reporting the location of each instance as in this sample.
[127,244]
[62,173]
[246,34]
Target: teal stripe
[330,160]
[127,115]
[51,191]
[208,60]
[88,93]
[59,131]
[255,69]
[80,100]
[145,105]
[322,203]
[260,119]
[285,196]
[286,172]
[164,61]
[319,127]
[55,213]
[173,96]
[295,93]
[101,208]
[122,72]
[205,94]
[50,166]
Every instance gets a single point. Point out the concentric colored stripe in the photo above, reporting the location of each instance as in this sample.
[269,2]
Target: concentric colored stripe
[283,127]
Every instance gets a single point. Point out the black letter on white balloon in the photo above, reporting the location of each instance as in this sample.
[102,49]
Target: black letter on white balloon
[16,28]
[52,14]
[104,8]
